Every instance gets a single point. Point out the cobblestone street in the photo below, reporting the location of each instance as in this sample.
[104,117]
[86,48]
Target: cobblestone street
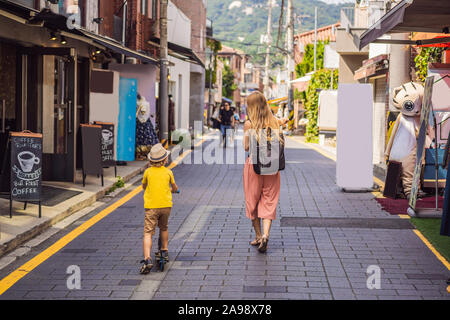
[320,247]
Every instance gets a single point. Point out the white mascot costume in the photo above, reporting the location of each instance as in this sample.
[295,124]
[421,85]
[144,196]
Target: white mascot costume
[403,142]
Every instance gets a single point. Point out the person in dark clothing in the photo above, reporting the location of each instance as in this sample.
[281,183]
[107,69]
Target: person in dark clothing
[226,119]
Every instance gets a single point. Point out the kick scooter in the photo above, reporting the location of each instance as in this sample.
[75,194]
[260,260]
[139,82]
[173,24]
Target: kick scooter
[160,260]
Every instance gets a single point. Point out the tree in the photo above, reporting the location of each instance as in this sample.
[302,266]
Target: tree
[307,65]
[228,85]
[320,80]
[215,47]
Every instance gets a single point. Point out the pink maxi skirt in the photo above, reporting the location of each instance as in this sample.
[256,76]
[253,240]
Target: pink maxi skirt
[261,193]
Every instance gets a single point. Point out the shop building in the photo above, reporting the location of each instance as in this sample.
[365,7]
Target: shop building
[47,54]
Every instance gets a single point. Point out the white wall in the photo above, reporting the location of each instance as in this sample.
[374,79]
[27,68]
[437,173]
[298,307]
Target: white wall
[178,27]
[179,32]
[105,107]
[181,107]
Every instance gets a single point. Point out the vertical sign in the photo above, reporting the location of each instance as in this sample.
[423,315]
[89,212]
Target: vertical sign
[108,158]
[91,136]
[424,116]
[354,165]
[26,167]
[126,127]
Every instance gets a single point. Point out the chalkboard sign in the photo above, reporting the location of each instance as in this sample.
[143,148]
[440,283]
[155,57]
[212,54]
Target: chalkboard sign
[108,157]
[26,167]
[91,140]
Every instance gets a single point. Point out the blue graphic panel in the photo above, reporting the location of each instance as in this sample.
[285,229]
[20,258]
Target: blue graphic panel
[126,129]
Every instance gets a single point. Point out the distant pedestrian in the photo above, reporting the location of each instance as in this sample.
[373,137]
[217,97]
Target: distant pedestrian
[226,119]
[215,118]
[261,191]
[158,184]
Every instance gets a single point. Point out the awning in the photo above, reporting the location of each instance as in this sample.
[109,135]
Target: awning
[410,16]
[179,52]
[227,100]
[53,21]
[301,84]
[279,100]
[118,47]
[372,67]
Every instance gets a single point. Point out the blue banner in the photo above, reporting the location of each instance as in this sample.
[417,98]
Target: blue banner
[126,129]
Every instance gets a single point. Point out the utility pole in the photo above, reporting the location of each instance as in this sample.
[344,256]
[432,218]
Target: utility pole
[315,39]
[208,113]
[290,58]
[269,44]
[164,63]
[124,26]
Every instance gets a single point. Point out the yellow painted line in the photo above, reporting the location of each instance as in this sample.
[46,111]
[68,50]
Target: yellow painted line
[179,159]
[183,155]
[430,246]
[403,216]
[29,266]
[26,268]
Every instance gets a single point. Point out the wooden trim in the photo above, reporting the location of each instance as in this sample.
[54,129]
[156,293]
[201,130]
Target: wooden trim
[100,122]
[46,51]
[90,126]
[26,134]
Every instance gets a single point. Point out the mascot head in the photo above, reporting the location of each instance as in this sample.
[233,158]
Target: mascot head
[408,99]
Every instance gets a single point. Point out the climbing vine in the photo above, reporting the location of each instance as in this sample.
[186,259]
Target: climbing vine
[215,47]
[425,56]
[321,80]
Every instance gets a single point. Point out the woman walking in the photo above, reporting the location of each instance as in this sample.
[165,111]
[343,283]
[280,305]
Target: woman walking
[261,191]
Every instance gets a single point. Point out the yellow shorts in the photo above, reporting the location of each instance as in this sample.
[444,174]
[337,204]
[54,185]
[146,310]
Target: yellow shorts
[155,217]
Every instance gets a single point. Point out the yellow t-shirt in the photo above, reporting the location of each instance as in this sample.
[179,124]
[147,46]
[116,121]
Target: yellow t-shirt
[158,193]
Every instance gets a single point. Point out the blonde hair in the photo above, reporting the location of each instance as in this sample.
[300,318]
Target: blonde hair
[158,164]
[260,116]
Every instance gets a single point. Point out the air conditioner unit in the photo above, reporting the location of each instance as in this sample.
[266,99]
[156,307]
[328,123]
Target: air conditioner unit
[130,60]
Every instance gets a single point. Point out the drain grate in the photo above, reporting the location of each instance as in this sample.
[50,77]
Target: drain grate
[367,223]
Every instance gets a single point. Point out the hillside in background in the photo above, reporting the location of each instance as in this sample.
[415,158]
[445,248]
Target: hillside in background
[240,24]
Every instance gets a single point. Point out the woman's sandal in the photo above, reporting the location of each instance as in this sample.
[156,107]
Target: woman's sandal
[256,242]
[263,245]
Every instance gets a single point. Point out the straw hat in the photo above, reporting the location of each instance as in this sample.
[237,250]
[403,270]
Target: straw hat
[158,153]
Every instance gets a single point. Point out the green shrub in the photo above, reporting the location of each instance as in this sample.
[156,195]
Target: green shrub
[321,80]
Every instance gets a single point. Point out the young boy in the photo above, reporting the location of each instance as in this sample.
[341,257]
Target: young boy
[158,183]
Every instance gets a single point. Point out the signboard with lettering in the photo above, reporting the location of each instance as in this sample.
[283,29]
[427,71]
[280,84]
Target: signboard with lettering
[108,157]
[26,167]
[91,136]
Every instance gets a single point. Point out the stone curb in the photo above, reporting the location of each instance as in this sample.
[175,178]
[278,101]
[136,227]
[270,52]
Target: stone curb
[47,223]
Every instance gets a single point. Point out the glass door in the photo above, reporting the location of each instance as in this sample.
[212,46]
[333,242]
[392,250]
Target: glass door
[8,112]
[61,105]
[59,137]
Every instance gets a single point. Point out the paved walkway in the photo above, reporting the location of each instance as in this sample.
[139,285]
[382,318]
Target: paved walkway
[310,255]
